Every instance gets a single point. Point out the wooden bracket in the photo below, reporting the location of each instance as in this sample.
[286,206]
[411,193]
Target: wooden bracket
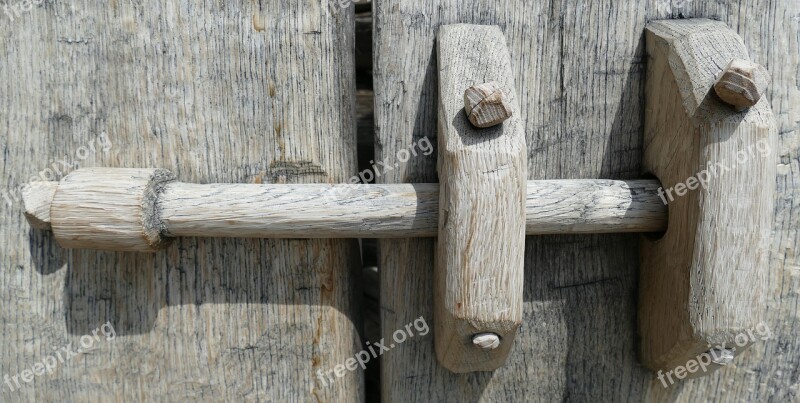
[703,283]
[481,245]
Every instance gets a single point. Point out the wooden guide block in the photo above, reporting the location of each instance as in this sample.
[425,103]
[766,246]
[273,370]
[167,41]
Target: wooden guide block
[483,173]
[704,282]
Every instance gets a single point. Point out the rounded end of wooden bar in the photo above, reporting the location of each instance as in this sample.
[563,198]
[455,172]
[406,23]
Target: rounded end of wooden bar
[37,197]
[110,209]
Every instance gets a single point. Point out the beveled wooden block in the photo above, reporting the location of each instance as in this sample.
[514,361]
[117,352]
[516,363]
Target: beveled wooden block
[703,282]
[482,174]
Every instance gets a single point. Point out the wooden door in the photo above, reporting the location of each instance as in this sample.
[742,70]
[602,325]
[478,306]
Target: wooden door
[579,69]
[214,91]
[264,92]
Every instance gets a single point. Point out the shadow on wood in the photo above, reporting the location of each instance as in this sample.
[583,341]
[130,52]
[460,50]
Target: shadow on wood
[94,279]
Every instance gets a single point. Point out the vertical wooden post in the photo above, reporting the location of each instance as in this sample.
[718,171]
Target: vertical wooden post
[481,244]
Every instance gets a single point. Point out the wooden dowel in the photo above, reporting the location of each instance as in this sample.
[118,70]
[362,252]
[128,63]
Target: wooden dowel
[300,211]
[319,211]
[594,206]
[397,211]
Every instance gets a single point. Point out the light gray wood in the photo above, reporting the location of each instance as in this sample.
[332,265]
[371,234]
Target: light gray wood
[594,206]
[37,197]
[248,92]
[703,283]
[93,207]
[398,211]
[481,244]
[110,209]
[579,69]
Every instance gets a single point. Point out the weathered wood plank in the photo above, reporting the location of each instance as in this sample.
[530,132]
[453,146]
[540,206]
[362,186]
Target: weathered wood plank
[215,92]
[579,70]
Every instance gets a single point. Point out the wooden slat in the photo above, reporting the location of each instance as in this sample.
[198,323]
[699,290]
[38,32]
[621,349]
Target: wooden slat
[255,92]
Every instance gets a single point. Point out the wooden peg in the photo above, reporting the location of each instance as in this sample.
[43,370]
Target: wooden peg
[704,282]
[486,105]
[486,341]
[742,83]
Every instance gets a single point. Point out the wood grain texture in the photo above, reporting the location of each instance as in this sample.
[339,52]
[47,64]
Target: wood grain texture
[705,281]
[481,244]
[37,197]
[110,209]
[323,211]
[594,206]
[256,92]
[339,211]
[398,210]
[300,211]
[580,74]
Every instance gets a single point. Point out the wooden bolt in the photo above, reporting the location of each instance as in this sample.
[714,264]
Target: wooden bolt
[742,83]
[329,211]
[486,105]
[486,341]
